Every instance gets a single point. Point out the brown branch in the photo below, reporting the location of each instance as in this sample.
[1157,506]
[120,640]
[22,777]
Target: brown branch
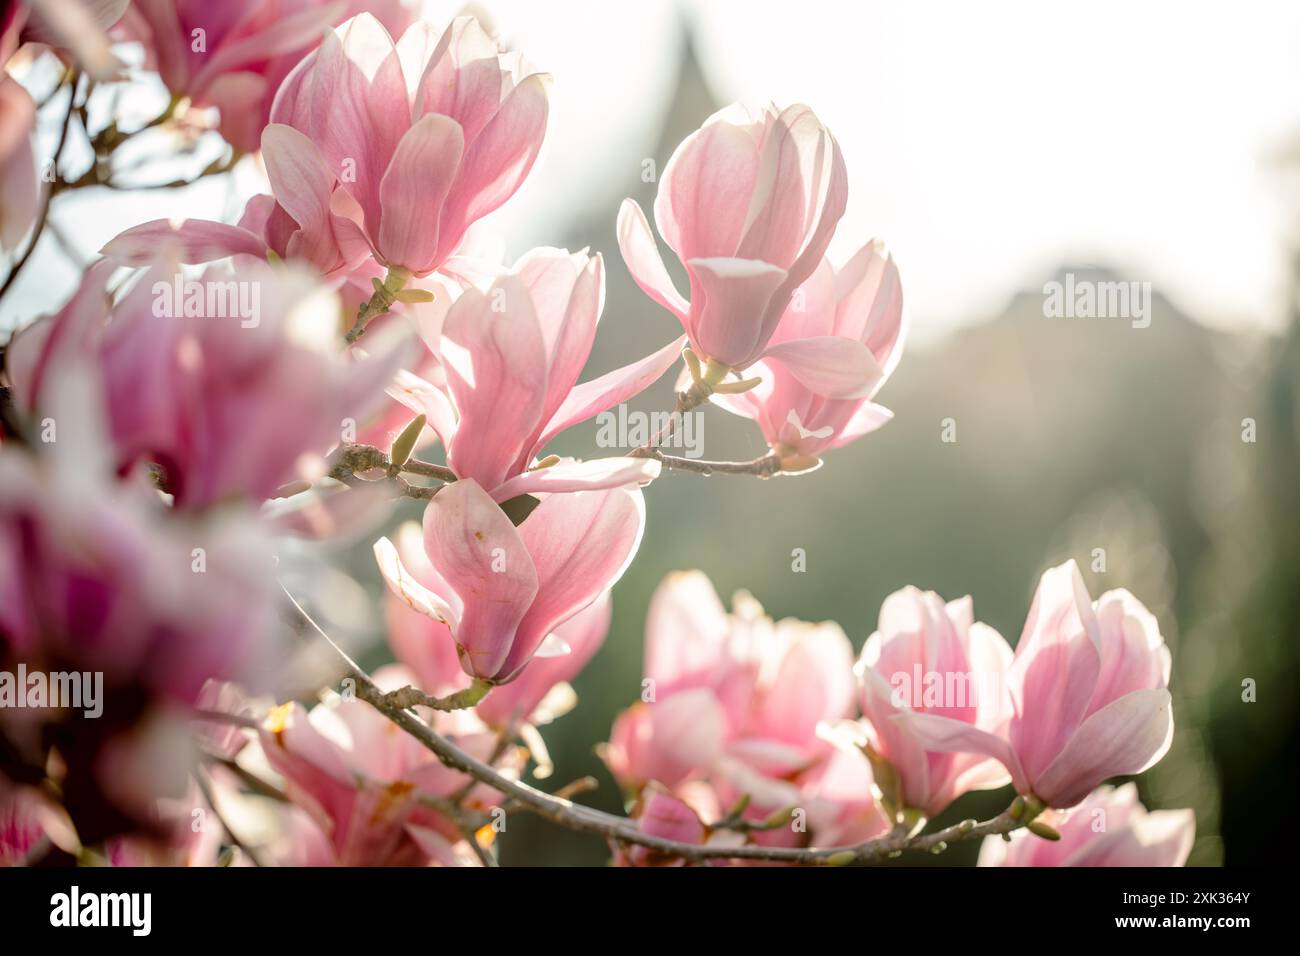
[622,830]
[763,467]
[351,461]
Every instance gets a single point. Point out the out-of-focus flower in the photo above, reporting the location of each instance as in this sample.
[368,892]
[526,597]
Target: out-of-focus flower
[235,54]
[934,658]
[1088,686]
[77,26]
[511,355]
[863,302]
[231,383]
[425,645]
[19,188]
[1109,828]
[749,203]
[139,608]
[660,814]
[421,138]
[738,686]
[374,790]
[503,590]
[189,834]
[31,825]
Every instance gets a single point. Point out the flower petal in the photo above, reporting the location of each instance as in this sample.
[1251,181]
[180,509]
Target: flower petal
[641,255]
[1126,736]
[421,174]
[195,240]
[829,365]
[481,555]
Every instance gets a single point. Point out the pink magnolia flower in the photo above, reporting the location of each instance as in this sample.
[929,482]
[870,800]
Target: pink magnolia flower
[502,590]
[512,355]
[228,405]
[749,204]
[1088,687]
[19,188]
[862,302]
[1109,828]
[421,138]
[425,645]
[234,55]
[729,693]
[929,657]
[368,785]
[661,814]
[331,243]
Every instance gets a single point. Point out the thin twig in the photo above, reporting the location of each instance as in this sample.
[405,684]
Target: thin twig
[351,461]
[763,467]
[248,778]
[39,226]
[204,788]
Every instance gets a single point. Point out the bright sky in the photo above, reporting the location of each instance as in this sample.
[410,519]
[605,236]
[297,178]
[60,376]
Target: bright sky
[986,142]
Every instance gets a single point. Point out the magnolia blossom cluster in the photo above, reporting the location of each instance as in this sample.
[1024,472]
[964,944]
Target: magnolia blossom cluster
[764,731]
[205,394]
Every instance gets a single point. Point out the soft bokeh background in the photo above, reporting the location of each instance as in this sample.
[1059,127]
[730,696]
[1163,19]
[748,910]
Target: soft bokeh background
[995,146]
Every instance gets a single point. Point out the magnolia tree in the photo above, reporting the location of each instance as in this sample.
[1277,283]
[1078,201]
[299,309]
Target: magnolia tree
[210,390]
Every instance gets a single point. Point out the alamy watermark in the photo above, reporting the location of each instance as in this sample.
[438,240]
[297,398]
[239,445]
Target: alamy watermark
[133,911]
[209,299]
[74,690]
[926,690]
[621,428]
[1089,299]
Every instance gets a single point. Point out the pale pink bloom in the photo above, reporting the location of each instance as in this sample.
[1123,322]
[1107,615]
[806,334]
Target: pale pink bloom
[331,243]
[862,302]
[501,589]
[1109,828]
[933,658]
[425,645]
[1088,686]
[831,802]
[511,355]
[73,29]
[422,137]
[234,55]
[737,687]
[659,813]
[19,188]
[228,405]
[367,784]
[749,203]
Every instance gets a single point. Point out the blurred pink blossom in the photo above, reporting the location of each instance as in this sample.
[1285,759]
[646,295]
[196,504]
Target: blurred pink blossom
[1109,828]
